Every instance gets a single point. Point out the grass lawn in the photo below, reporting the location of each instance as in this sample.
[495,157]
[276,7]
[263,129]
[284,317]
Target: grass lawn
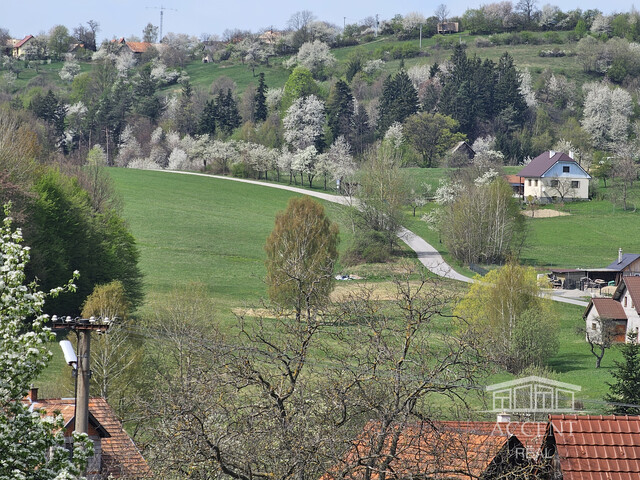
[588,237]
[204,230]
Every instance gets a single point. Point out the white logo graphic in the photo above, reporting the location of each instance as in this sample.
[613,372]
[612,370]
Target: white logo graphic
[533,394]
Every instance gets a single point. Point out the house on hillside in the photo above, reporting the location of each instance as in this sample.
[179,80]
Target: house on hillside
[20,47]
[623,310]
[115,454]
[593,447]
[554,176]
[448,27]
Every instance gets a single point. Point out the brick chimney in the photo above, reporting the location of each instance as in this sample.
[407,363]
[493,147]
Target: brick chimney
[551,153]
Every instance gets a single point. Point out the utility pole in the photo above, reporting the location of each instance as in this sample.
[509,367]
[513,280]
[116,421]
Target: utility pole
[83,328]
[162,8]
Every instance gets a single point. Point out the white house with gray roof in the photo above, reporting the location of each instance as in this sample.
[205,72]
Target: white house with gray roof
[554,176]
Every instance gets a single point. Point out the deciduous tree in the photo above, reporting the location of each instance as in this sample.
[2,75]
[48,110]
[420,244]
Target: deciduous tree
[301,252]
[505,308]
[31,446]
[431,135]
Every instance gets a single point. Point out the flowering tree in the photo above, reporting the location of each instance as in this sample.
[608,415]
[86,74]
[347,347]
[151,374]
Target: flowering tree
[31,445]
[606,114]
[304,122]
[315,56]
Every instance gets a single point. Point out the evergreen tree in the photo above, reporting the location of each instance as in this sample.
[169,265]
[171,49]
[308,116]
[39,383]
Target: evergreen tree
[260,100]
[146,102]
[208,117]
[507,89]
[363,133]
[625,392]
[340,110]
[185,116]
[227,118]
[399,100]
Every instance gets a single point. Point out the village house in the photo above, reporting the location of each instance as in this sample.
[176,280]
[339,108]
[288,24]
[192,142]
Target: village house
[554,176]
[443,449]
[568,447]
[19,47]
[115,453]
[622,311]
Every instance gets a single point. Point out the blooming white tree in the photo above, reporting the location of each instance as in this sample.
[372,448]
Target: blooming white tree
[372,67]
[304,161]
[70,68]
[412,20]
[31,444]
[304,122]
[394,136]
[606,114]
[129,148]
[526,89]
[315,56]
[274,97]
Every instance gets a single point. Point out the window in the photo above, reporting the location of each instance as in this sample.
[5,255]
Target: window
[529,182]
[594,326]
[575,184]
[565,169]
[536,184]
[554,183]
[625,301]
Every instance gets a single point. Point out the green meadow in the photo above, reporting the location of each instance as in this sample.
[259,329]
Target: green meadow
[212,231]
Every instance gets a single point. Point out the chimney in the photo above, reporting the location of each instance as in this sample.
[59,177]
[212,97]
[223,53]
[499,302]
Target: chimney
[503,417]
[619,255]
[551,153]
[571,154]
[33,394]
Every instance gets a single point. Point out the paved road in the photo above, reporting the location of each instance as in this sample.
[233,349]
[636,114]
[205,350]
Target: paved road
[426,253]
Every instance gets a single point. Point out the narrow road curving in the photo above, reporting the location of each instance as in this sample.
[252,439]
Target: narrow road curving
[426,253]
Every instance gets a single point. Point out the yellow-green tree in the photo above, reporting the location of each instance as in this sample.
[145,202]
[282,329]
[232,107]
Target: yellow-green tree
[506,310]
[301,252]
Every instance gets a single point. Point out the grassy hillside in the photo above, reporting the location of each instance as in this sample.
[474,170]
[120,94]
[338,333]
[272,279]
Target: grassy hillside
[434,49]
[205,230]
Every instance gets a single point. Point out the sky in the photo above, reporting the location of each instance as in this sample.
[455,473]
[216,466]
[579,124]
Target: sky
[123,18]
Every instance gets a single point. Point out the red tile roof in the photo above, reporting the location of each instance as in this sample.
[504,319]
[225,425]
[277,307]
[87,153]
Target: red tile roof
[138,47]
[633,286]
[514,179]
[597,447]
[607,308]
[23,41]
[120,456]
[452,450]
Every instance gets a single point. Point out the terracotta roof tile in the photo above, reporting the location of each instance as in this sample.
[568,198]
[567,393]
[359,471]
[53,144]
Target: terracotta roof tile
[23,41]
[609,308]
[452,450]
[633,286]
[120,456]
[138,47]
[597,447]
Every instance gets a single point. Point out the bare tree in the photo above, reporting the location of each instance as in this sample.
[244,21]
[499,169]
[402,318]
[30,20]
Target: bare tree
[625,173]
[283,398]
[600,337]
[442,13]
[562,187]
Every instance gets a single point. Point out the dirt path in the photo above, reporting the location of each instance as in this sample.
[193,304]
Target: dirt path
[426,253]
